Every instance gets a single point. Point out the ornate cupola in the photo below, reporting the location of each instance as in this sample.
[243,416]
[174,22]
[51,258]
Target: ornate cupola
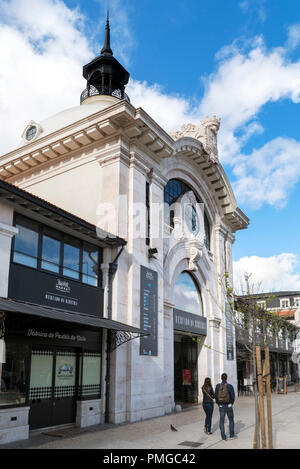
[104,74]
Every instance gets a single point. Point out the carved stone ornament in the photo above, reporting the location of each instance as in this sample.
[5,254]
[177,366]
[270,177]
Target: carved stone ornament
[195,253]
[188,130]
[195,256]
[211,126]
[206,133]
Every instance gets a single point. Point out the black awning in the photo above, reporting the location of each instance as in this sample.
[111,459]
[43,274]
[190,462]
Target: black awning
[13,306]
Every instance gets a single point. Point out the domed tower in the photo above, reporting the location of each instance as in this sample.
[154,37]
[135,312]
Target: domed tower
[104,74]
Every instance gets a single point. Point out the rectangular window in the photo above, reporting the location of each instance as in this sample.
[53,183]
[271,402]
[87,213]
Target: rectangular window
[90,374]
[147,214]
[284,303]
[41,247]
[71,261]
[90,265]
[14,375]
[296,302]
[26,245]
[50,254]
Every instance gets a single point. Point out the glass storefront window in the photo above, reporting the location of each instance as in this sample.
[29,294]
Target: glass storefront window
[71,261]
[14,375]
[90,265]
[90,373]
[50,254]
[26,246]
[41,247]
[186,295]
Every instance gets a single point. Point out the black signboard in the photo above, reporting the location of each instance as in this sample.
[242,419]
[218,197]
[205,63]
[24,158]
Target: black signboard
[229,333]
[42,288]
[149,306]
[189,322]
[50,332]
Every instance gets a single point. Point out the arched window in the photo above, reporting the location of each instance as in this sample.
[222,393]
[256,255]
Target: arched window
[187,296]
[174,189]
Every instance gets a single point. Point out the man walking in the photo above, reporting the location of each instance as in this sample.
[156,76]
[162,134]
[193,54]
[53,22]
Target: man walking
[224,395]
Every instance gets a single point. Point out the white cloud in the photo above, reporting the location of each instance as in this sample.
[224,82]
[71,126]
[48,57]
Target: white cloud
[293,36]
[41,74]
[248,77]
[41,63]
[267,274]
[245,81]
[169,111]
[268,174]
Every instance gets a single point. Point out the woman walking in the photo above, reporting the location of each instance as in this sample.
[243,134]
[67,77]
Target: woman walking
[208,404]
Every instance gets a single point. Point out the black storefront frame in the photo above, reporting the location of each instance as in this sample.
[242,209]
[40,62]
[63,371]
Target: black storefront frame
[12,337]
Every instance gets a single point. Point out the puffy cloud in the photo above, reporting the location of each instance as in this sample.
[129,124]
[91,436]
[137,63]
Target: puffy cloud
[41,73]
[248,77]
[41,69]
[267,274]
[169,111]
[268,174]
[245,81]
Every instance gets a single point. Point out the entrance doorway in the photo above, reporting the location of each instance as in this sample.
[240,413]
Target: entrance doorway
[185,370]
[52,388]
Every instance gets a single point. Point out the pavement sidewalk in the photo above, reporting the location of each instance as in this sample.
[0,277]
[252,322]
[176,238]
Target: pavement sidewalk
[156,433]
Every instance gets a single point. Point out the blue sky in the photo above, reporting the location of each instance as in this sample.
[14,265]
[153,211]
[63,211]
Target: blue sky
[238,59]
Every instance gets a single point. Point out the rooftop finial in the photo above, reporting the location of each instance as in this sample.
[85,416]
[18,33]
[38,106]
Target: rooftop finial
[106,50]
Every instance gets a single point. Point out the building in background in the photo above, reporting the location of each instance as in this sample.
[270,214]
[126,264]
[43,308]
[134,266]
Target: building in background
[284,348]
[112,165]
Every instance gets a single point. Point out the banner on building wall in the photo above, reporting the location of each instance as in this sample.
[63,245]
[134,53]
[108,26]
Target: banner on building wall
[149,307]
[186,377]
[229,333]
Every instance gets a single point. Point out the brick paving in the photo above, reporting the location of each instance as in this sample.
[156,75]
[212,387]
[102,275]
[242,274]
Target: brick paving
[155,433]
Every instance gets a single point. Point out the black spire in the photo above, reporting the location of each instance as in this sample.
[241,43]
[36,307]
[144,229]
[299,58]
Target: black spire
[104,74]
[106,50]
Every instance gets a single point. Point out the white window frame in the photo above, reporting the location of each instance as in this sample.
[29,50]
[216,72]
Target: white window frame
[261,304]
[296,299]
[282,300]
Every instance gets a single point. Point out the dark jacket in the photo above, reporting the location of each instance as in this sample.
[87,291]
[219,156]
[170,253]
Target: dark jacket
[230,390]
[207,399]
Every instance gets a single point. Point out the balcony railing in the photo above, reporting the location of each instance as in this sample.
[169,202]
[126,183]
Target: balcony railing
[93,91]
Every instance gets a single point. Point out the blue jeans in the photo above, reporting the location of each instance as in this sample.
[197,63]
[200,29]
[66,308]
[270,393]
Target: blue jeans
[208,408]
[225,410]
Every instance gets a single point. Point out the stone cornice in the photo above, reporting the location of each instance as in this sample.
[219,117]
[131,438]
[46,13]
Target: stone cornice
[122,121]
[120,118]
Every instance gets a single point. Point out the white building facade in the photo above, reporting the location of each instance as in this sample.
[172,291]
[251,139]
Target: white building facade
[168,196]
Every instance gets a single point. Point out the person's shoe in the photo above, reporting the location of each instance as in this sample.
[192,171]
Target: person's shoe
[234,437]
[224,439]
[205,431]
[209,433]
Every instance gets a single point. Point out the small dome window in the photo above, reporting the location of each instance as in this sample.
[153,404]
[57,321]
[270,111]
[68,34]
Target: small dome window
[31,132]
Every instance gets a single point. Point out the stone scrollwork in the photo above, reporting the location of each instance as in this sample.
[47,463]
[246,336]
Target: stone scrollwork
[206,133]
[211,127]
[188,130]
[196,252]
[194,255]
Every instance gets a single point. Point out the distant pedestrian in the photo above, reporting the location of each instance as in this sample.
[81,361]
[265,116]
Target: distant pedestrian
[208,404]
[225,398]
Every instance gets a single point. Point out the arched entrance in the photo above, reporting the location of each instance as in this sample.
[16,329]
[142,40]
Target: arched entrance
[188,321]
